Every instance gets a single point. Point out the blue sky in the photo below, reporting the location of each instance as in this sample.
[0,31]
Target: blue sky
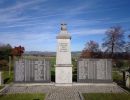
[35,24]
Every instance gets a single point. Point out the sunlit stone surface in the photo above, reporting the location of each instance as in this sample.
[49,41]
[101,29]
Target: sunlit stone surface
[63,57]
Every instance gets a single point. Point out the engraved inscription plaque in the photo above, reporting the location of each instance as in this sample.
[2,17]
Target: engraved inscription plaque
[63,47]
[101,69]
[94,70]
[32,70]
[19,74]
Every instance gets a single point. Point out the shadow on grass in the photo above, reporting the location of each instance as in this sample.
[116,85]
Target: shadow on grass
[6,80]
[52,76]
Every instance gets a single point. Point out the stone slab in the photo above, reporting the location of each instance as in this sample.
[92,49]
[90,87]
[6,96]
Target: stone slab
[30,71]
[94,71]
[63,84]
[63,75]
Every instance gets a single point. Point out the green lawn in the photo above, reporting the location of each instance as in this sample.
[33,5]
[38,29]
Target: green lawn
[53,62]
[106,96]
[117,76]
[22,97]
[1,87]
[6,78]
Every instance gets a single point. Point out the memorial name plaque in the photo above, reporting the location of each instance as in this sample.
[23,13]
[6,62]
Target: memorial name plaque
[63,47]
[32,70]
[94,70]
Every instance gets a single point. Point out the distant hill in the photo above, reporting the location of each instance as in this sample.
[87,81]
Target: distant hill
[76,53]
[47,53]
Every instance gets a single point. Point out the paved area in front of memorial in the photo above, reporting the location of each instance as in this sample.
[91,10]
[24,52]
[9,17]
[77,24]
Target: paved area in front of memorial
[64,92]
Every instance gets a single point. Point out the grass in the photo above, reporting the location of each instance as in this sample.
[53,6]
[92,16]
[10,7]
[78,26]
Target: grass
[22,97]
[117,76]
[53,62]
[1,87]
[106,96]
[6,78]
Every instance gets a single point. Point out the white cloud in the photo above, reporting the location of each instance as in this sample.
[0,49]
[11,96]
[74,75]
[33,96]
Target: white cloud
[26,36]
[12,13]
[21,5]
[84,32]
[31,41]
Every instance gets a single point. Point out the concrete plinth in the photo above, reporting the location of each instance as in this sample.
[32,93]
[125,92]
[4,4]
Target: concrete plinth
[64,75]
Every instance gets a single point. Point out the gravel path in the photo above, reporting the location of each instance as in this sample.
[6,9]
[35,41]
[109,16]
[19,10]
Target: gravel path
[64,92]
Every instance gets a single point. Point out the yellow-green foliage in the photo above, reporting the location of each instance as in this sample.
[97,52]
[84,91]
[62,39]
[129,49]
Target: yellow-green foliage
[22,97]
[116,75]
[6,77]
[106,96]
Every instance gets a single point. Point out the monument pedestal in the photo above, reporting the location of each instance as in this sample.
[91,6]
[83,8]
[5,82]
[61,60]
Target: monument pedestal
[64,74]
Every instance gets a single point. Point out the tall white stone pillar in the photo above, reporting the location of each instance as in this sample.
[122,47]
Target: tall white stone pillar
[63,58]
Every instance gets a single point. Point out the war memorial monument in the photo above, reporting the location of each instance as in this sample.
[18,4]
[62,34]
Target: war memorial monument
[63,57]
[34,75]
[88,70]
